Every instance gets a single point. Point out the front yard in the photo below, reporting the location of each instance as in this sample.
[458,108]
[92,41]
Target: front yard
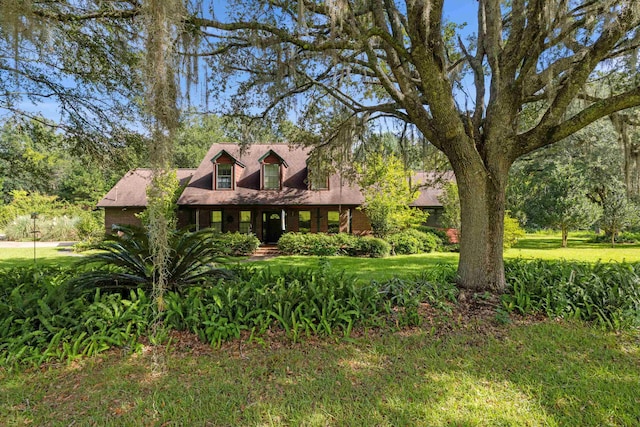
[531,373]
[470,364]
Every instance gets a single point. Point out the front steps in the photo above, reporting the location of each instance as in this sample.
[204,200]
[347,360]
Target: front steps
[265,251]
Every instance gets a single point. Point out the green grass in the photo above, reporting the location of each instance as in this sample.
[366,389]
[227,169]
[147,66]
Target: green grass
[548,246]
[15,257]
[365,268]
[526,374]
[538,245]
[534,246]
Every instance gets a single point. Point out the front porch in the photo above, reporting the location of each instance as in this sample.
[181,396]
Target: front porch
[268,223]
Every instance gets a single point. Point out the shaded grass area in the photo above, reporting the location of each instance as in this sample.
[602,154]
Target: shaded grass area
[21,257]
[526,374]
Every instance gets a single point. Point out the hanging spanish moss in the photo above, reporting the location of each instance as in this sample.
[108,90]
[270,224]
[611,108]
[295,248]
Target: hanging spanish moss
[162,21]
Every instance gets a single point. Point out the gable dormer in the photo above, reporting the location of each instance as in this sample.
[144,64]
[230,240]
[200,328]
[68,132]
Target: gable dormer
[225,167]
[271,170]
[317,179]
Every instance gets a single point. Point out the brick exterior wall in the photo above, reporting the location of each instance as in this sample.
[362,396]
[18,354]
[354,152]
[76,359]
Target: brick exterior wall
[124,216]
[360,224]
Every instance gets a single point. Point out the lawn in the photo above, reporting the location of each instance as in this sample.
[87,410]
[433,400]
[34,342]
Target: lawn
[474,373]
[456,369]
[14,257]
[540,246]
[547,246]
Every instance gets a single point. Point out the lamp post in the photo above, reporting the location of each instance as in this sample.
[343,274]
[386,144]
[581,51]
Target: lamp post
[34,216]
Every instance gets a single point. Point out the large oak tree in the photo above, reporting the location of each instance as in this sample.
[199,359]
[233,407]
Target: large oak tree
[403,60]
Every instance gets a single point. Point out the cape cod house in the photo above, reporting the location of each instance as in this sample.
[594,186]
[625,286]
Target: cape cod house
[265,190]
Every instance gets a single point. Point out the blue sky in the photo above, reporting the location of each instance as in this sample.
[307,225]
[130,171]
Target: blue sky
[457,11]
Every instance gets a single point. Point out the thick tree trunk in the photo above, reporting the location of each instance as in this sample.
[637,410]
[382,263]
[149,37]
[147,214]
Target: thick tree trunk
[565,237]
[482,199]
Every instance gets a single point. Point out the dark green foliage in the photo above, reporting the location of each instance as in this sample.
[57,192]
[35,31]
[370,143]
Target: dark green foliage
[438,290]
[373,247]
[42,319]
[412,241]
[309,244]
[296,301]
[322,244]
[124,260]
[608,294]
[624,237]
[442,234]
[236,244]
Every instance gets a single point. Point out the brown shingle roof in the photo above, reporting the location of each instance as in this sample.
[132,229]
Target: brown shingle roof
[131,190]
[247,191]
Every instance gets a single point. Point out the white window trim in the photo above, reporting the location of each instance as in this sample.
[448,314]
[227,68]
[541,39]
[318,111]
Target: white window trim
[232,177]
[264,176]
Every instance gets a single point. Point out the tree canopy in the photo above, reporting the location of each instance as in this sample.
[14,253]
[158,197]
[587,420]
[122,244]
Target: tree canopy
[402,60]
[523,80]
[74,60]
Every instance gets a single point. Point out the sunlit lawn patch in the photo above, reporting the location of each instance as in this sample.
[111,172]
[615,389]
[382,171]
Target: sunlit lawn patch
[16,257]
[549,373]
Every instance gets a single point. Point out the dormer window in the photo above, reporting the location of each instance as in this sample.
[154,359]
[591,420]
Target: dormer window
[224,176]
[271,176]
[224,170]
[319,181]
[271,166]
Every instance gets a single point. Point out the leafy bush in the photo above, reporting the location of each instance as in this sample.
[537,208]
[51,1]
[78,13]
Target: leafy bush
[308,244]
[440,292]
[512,231]
[49,229]
[300,302]
[236,244]
[90,225]
[608,294]
[412,241]
[322,244]
[373,247]
[24,203]
[42,319]
[124,260]
[440,233]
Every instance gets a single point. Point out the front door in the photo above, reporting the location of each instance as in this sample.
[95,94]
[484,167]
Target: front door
[271,226]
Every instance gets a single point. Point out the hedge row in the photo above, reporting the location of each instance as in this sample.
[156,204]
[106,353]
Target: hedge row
[406,242]
[332,244]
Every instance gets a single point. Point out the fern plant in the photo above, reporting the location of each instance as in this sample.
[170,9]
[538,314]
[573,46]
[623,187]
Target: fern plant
[123,261]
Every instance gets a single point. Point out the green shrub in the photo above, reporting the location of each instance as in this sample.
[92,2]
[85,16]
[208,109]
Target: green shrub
[90,225]
[321,244]
[300,302]
[373,247]
[124,261]
[438,232]
[438,290]
[608,294]
[42,319]
[512,231]
[236,244]
[412,241]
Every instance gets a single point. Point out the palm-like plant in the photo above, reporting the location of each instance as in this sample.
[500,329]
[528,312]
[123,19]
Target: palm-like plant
[124,261]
